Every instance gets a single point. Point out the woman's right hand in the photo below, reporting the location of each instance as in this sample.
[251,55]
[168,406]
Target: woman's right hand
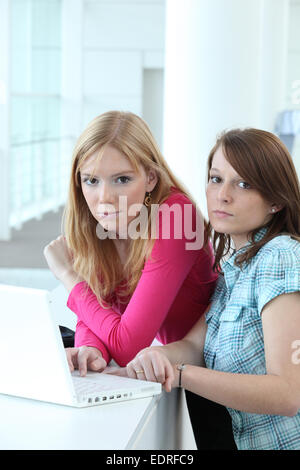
[153,365]
[85,358]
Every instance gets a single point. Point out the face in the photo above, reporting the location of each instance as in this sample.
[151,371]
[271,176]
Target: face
[233,206]
[103,183]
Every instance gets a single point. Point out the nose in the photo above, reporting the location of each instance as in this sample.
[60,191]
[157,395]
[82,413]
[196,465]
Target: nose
[105,194]
[224,193]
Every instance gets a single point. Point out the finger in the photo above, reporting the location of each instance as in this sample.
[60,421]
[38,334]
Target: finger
[70,363]
[153,364]
[162,369]
[142,368]
[120,371]
[169,374]
[131,370]
[140,375]
[136,369]
[97,364]
[159,366]
[167,385]
[82,361]
[139,369]
[71,354]
[147,367]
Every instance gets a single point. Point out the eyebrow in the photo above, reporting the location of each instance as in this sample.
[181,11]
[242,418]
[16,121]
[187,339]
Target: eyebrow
[126,172]
[236,178]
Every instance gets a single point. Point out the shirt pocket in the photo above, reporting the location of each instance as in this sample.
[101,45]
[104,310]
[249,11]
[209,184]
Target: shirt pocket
[240,345]
[231,334]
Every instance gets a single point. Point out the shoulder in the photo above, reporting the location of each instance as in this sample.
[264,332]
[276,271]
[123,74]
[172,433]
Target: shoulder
[179,213]
[277,269]
[176,197]
[282,252]
[179,225]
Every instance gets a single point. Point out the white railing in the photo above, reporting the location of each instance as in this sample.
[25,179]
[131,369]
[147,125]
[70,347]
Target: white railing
[39,177]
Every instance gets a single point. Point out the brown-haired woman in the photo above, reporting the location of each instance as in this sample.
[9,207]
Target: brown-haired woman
[245,352]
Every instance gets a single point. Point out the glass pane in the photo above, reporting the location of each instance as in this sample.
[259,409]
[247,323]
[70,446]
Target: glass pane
[36,103]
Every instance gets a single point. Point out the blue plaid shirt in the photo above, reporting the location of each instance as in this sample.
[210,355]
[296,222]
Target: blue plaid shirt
[234,339]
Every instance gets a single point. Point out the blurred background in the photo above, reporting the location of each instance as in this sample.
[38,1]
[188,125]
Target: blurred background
[190,68]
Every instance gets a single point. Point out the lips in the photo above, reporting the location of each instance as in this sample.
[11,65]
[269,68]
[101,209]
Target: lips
[108,214]
[222,213]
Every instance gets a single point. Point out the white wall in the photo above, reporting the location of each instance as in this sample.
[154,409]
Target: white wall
[120,40]
[292,97]
[225,63]
[113,58]
[4,118]
[293,64]
[153,97]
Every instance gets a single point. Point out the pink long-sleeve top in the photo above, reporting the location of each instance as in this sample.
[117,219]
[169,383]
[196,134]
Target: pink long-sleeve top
[173,291]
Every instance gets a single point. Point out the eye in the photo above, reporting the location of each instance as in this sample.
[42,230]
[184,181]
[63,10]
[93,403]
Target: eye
[123,179]
[214,179]
[244,185]
[90,181]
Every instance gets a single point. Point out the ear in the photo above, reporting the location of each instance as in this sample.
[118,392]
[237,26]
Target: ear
[275,208]
[151,180]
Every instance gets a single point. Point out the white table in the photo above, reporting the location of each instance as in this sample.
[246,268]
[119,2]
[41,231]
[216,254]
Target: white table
[147,423]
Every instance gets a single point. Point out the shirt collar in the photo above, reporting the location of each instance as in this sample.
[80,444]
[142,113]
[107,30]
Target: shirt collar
[229,263]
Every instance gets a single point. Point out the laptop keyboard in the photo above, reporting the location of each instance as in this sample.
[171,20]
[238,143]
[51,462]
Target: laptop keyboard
[95,388]
[83,385]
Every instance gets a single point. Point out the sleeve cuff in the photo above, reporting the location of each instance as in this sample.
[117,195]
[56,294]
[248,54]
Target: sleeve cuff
[95,344]
[288,284]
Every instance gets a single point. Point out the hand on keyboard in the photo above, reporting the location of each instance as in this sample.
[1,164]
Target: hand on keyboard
[85,358]
[120,371]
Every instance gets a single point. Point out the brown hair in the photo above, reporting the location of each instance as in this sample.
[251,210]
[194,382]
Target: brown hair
[264,162]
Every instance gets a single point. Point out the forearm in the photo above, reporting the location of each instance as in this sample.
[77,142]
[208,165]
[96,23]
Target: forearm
[261,394]
[122,338]
[189,350]
[123,335]
[127,334]
[181,352]
[70,279]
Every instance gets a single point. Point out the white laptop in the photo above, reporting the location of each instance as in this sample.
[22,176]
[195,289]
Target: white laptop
[34,363]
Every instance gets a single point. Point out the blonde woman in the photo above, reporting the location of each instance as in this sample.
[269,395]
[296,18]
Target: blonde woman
[244,353]
[131,276]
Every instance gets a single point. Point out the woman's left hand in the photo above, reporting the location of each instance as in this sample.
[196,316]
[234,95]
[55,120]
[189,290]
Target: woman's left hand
[59,258]
[114,370]
[153,365]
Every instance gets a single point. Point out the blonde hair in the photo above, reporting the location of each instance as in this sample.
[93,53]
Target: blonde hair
[95,260]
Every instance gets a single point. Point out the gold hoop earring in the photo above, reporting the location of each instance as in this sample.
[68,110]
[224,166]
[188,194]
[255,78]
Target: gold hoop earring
[148,199]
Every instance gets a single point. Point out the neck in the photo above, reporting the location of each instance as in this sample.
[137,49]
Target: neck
[122,248]
[239,242]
